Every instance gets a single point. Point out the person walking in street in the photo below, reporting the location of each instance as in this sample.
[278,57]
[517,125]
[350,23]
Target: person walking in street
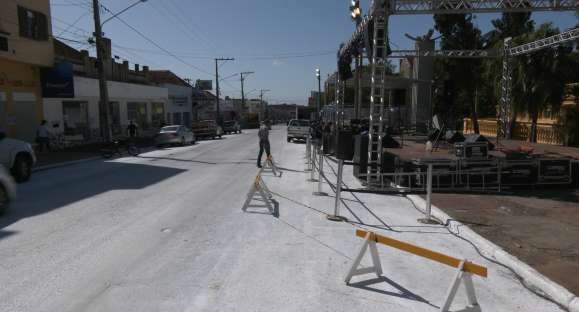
[132,130]
[263,135]
[42,137]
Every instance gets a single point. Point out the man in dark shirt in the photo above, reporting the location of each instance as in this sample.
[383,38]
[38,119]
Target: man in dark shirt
[263,135]
[132,130]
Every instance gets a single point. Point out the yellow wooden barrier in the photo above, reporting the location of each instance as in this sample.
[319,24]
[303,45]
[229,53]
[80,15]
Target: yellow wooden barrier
[425,253]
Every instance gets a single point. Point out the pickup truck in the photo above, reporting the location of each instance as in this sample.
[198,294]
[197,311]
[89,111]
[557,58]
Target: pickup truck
[206,129]
[298,129]
[17,156]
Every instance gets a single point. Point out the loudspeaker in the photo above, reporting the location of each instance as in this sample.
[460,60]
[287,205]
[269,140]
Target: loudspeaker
[345,145]
[454,137]
[478,138]
[389,142]
[360,154]
[575,173]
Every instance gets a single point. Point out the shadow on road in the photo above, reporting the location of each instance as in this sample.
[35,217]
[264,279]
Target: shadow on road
[47,192]
[401,292]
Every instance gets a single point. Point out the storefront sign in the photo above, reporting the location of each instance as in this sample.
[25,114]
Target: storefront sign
[204,84]
[58,82]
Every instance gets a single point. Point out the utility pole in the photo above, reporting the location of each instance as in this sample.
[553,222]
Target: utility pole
[242,92]
[297,113]
[103,90]
[218,111]
[261,110]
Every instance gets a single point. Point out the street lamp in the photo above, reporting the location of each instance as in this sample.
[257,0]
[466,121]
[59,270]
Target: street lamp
[318,107]
[242,91]
[261,110]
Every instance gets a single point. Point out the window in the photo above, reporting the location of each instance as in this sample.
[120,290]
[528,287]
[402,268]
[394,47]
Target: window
[115,118]
[157,114]
[33,25]
[137,112]
[3,43]
[177,118]
[75,116]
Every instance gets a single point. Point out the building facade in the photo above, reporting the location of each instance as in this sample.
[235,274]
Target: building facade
[180,106]
[71,97]
[79,116]
[25,48]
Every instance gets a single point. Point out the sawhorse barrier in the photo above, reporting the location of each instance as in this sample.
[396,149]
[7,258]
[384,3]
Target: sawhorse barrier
[270,165]
[464,272]
[259,187]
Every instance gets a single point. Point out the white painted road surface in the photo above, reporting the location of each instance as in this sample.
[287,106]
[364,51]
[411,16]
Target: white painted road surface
[165,232]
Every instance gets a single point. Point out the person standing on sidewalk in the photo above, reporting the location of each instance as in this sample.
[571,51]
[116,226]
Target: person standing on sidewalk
[263,135]
[132,130]
[42,137]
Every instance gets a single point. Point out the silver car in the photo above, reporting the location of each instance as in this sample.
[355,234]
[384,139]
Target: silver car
[171,135]
[7,189]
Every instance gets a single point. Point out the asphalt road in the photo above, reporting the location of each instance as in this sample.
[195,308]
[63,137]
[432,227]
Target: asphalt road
[131,234]
[165,232]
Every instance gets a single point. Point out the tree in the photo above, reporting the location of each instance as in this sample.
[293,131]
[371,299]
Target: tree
[541,75]
[459,33]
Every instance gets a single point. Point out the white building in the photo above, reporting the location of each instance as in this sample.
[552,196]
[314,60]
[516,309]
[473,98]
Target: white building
[79,116]
[180,106]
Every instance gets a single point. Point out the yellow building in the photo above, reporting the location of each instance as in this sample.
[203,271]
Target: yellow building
[25,47]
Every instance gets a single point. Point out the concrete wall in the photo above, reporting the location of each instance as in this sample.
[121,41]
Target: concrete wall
[22,49]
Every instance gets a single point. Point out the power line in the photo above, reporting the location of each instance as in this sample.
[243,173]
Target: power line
[183,23]
[247,57]
[151,41]
[74,23]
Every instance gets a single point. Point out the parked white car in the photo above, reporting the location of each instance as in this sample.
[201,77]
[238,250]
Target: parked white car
[17,156]
[170,135]
[7,189]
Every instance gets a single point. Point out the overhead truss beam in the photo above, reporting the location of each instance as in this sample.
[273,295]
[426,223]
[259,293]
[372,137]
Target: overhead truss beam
[544,43]
[444,53]
[399,7]
[479,6]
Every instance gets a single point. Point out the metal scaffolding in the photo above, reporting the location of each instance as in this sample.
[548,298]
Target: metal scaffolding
[478,6]
[444,53]
[378,18]
[378,86]
[566,36]
[505,111]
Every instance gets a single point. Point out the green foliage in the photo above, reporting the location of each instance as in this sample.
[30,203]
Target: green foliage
[457,99]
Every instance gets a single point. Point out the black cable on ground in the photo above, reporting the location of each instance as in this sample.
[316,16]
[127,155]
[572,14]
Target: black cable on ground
[517,276]
[447,227]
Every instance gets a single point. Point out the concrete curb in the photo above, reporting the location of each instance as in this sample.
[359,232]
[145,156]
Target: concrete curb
[530,276]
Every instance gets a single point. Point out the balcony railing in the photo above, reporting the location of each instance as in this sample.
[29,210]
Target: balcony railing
[546,133]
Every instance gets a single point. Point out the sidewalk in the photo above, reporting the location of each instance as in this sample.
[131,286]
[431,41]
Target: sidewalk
[78,153]
[300,259]
[71,154]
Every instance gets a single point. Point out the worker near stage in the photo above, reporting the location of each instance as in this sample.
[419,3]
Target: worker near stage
[263,135]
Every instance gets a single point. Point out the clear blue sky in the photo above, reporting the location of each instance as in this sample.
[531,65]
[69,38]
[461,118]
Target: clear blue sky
[264,36]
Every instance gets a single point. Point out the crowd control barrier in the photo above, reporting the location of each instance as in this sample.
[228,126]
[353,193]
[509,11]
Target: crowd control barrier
[464,268]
